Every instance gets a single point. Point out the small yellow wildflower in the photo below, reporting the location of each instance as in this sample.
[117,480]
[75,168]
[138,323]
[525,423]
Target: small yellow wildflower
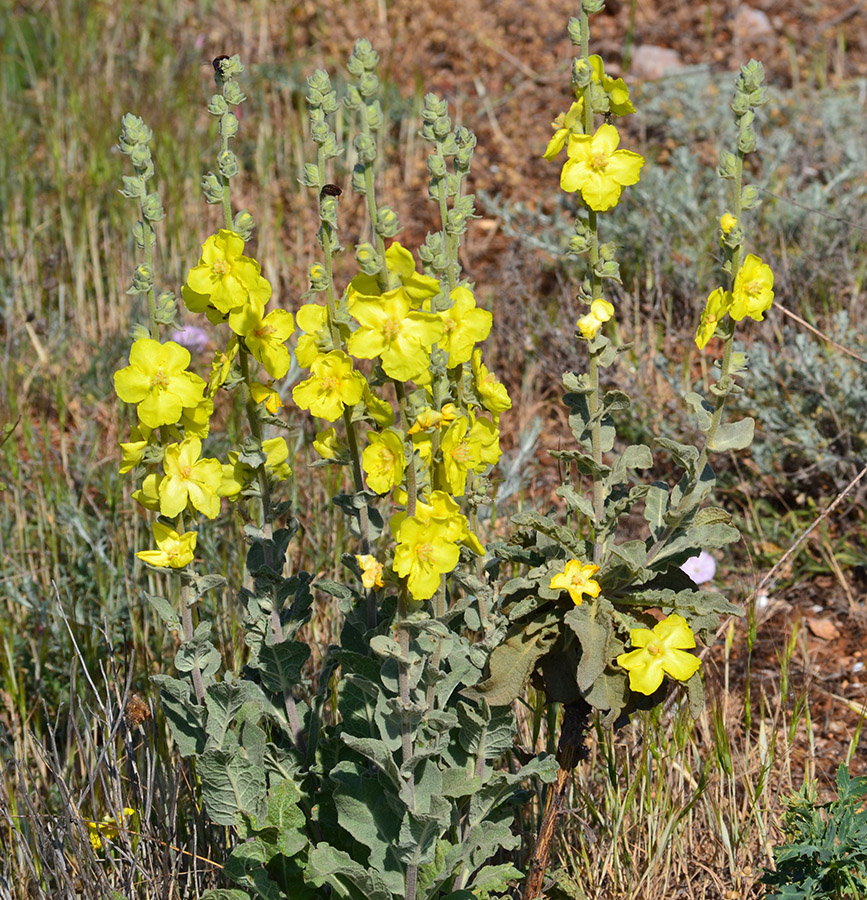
[660,652]
[600,311]
[371,571]
[175,550]
[753,292]
[577,580]
[598,169]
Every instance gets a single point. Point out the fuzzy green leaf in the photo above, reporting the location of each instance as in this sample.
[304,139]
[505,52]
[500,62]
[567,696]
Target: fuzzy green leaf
[575,500]
[419,833]
[165,610]
[512,663]
[378,753]
[348,879]
[697,537]
[186,718]
[224,701]
[232,783]
[594,635]
[279,665]
[609,692]
[655,508]
[733,435]
[702,409]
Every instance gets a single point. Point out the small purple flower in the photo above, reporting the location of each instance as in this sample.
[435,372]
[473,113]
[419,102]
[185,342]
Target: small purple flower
[700,568]
[192,337]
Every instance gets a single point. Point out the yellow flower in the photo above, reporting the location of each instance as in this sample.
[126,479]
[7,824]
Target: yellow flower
[391,330]
[327,444]
[464,326]
[424,553]
[196,420]
[148,495]
[237,476]
[265,393]
[108,828]
[224,278]
[661,652]
[333,384]
[619,103]
[418,287]
[371,571]
[312,319]
[598,169]
[156,379]
[190,480]
[222,366]
[384,460]
[577,580]
[442,507]
[381,411]
[718,304]
[461,452]
[727,223]
[175,550]
[600,311]
[493,394]
[564,125]
[266,337]
[753,292]
[134,448]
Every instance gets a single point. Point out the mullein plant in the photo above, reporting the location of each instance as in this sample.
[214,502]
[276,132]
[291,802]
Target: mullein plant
[598,623]
[373,777]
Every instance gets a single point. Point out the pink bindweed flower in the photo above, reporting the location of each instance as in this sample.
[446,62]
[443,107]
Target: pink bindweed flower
[192,337]
[700,568]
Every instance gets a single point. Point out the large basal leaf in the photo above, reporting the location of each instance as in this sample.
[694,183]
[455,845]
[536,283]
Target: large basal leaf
[246,866]
[489,729]
[225,894]
[232,783]
[512,663]
[347,878]
[286,817]
[364,812]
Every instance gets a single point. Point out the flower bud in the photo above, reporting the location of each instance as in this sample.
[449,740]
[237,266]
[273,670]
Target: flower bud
[243,224]
[363,55]
[436,166]
[318,87]
[140,155]
[442,127]
[368,260]
[144,232]
[133,187]
[318,277]
[373,113]
[727,165]
[142,279]
[152,208]
[365,147]
[134,131]
[368,85]
[574,29]
[212,188]
[227,163]
[229,125]
[311,175]
[357,181]
[319,132]
[217,106]
[434,108]
[233,93]
[387,223]
[750,197]
[329,146]
[582,74]
[227,68]
[166,308]
[352,98]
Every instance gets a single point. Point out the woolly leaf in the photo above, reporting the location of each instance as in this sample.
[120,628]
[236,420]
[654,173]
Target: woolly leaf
[328,865]
[279,665]
[231,783]
[186,718]
[733,435]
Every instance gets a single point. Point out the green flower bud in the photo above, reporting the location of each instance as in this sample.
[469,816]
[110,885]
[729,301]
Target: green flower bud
[142,279]
[138,332]
[167,306]
[373,114]
[436,166]
[328,209]
[330,148]
[365,147]
[227,163]
[217,106]
[433,252]
[142,232]
[464,159]
[318,87]
[368,259]
[750,197]
[212,188]
[318,277]
[319,132]
[140,155]
[357,181]
[747,140]
[752,76]
[243,224]
[574,29]
[368,85]
[387,222]
[363,55]
[442,127]
[727,165]
[133,187]
[434,108]
[592,6]
[352,99]
[227,67]
[233,93]
[133,131]
[152,208]
[740,104]
[582,74]
[448,145]
[578,244]
[311,176]
[456,222]
[229,125]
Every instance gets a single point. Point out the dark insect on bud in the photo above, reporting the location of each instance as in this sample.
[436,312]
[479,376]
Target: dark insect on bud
[330,190]
[217,62]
